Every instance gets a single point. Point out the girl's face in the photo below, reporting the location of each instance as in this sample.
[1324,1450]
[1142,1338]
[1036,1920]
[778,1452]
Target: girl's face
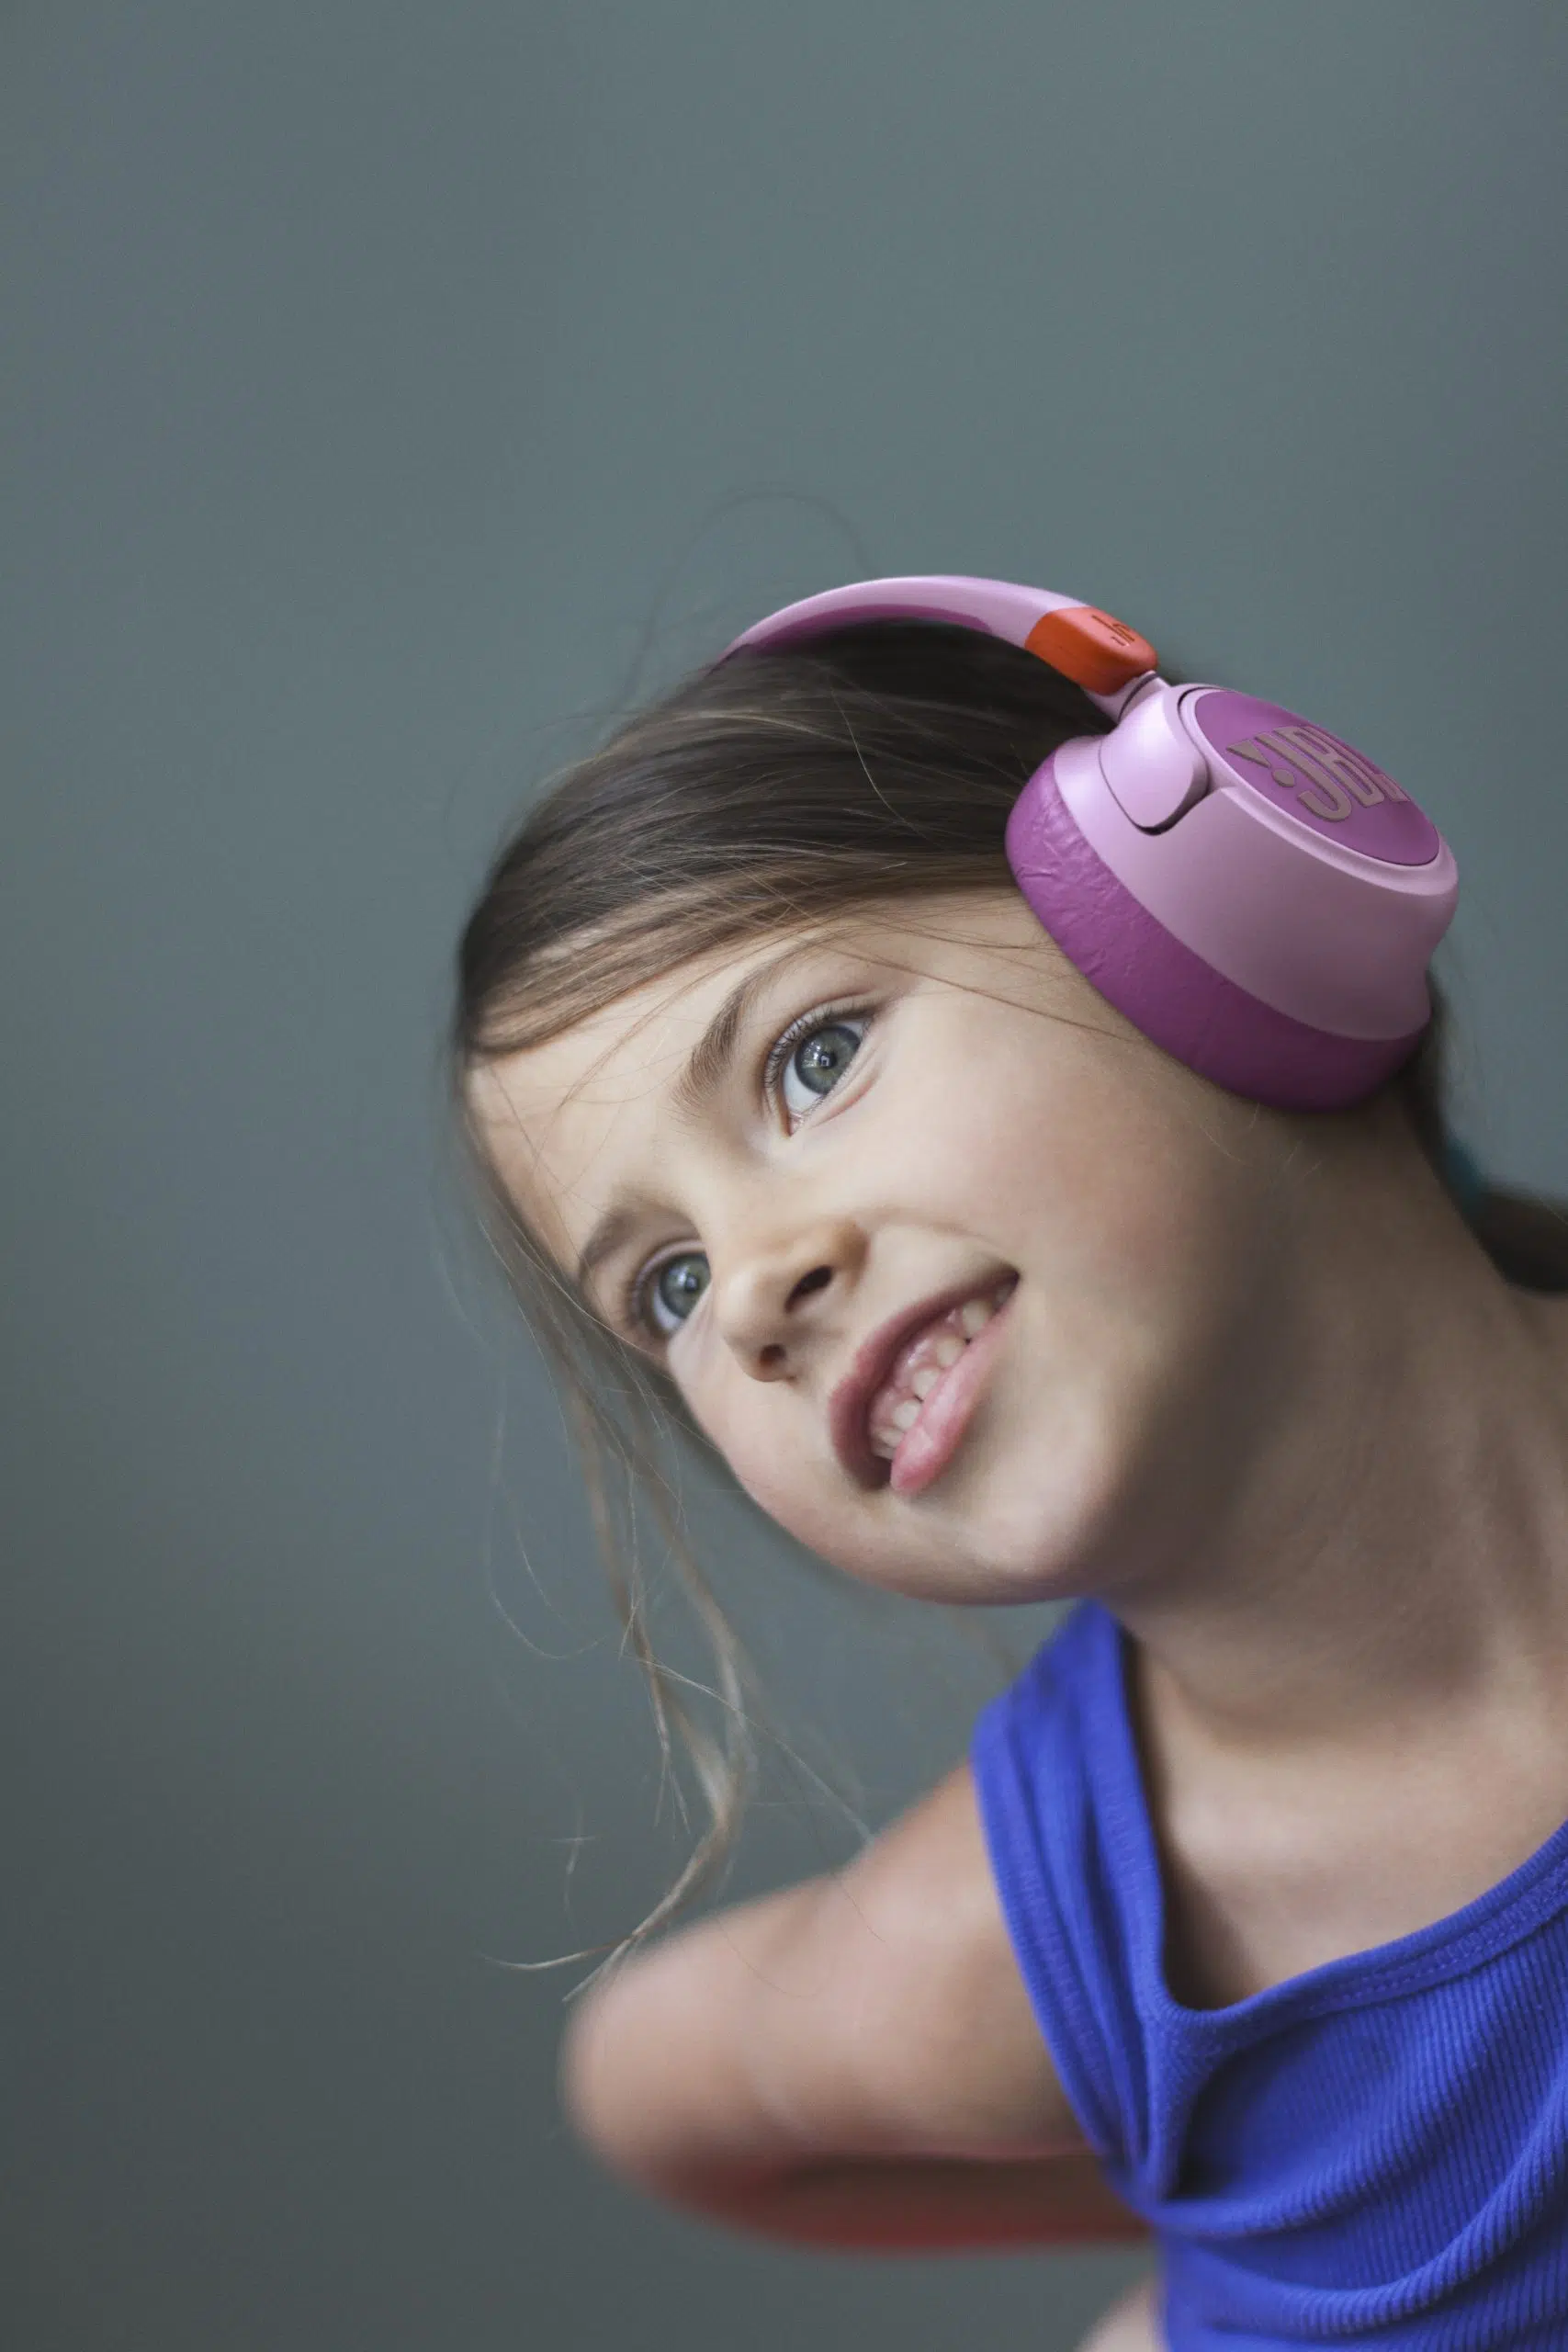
[800,1177]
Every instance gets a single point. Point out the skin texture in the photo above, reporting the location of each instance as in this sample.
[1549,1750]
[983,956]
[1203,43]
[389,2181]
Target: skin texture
[1258,1391]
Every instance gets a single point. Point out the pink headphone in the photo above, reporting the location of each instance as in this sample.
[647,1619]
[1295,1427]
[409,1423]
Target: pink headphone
[1258,898]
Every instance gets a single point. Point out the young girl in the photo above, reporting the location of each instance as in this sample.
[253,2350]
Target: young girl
[1014,1233]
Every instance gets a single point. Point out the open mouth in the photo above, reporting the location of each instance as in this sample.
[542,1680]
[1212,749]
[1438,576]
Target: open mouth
[920,1366]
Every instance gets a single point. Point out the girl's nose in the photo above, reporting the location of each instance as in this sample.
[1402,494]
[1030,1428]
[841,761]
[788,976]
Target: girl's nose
[771,1300]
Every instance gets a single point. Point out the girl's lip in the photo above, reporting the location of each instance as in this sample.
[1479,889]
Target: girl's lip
[928,1444]
[851,1399]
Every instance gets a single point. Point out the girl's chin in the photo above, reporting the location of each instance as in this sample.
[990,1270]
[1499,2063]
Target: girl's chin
[983,1550]
[1015,1517]
[1010,1535]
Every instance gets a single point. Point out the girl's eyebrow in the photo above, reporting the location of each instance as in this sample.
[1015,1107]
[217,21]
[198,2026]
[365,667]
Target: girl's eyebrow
[606,1237]
[707,1066]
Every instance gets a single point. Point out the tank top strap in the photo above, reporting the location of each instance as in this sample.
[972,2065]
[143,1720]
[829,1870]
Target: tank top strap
[1058,1798]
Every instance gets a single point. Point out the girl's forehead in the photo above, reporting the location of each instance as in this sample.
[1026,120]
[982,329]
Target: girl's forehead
[566,1120]
[574,1119]
[624,1047]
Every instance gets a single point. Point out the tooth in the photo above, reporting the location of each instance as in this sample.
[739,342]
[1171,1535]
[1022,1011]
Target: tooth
[904,1416]
[948,1349]
[925,1380]
[973,1316]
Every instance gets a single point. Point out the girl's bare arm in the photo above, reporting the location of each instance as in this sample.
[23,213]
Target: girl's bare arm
[851,2062]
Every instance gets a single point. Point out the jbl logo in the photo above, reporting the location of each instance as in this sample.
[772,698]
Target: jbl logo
[1117,629]
[1328,777]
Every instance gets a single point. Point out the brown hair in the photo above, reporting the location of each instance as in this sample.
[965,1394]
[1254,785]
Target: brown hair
[781,789]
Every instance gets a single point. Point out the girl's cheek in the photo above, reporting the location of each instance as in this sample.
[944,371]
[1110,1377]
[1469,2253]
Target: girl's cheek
[708,1391]
[786,1502]
[776,1481]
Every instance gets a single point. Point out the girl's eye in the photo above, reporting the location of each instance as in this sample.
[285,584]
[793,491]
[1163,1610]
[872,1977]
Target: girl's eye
[671,1289]
[815,1051]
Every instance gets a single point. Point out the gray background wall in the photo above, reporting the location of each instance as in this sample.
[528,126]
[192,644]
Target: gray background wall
[391,391]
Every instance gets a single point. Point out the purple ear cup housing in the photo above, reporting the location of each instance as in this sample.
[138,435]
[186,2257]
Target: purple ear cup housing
[1274,933]
[1254,894]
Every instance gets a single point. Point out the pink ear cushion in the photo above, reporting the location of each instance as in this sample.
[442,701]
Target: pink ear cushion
[1177,1000]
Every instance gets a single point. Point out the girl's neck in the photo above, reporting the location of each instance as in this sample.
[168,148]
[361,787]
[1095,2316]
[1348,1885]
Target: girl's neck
[1387,1537]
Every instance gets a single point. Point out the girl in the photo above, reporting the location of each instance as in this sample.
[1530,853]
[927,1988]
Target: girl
[1245,1918]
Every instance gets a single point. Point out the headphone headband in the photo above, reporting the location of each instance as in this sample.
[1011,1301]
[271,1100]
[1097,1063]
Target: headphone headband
[1099,652]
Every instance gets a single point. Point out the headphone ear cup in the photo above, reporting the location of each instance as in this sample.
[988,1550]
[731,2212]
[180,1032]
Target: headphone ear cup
[1153,765]
[1268,946]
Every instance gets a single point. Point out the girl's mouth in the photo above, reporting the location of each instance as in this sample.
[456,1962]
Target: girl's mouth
[917,1415]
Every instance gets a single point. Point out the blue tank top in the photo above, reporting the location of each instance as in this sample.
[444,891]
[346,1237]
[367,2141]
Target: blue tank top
[1374,2152]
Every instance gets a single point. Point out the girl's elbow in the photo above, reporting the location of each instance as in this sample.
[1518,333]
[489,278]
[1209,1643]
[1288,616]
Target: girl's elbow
[650,2083]
[613,2087]
[593,2090]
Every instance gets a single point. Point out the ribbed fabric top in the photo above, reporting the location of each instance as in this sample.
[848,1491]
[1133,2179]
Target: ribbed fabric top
[1373,2153]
